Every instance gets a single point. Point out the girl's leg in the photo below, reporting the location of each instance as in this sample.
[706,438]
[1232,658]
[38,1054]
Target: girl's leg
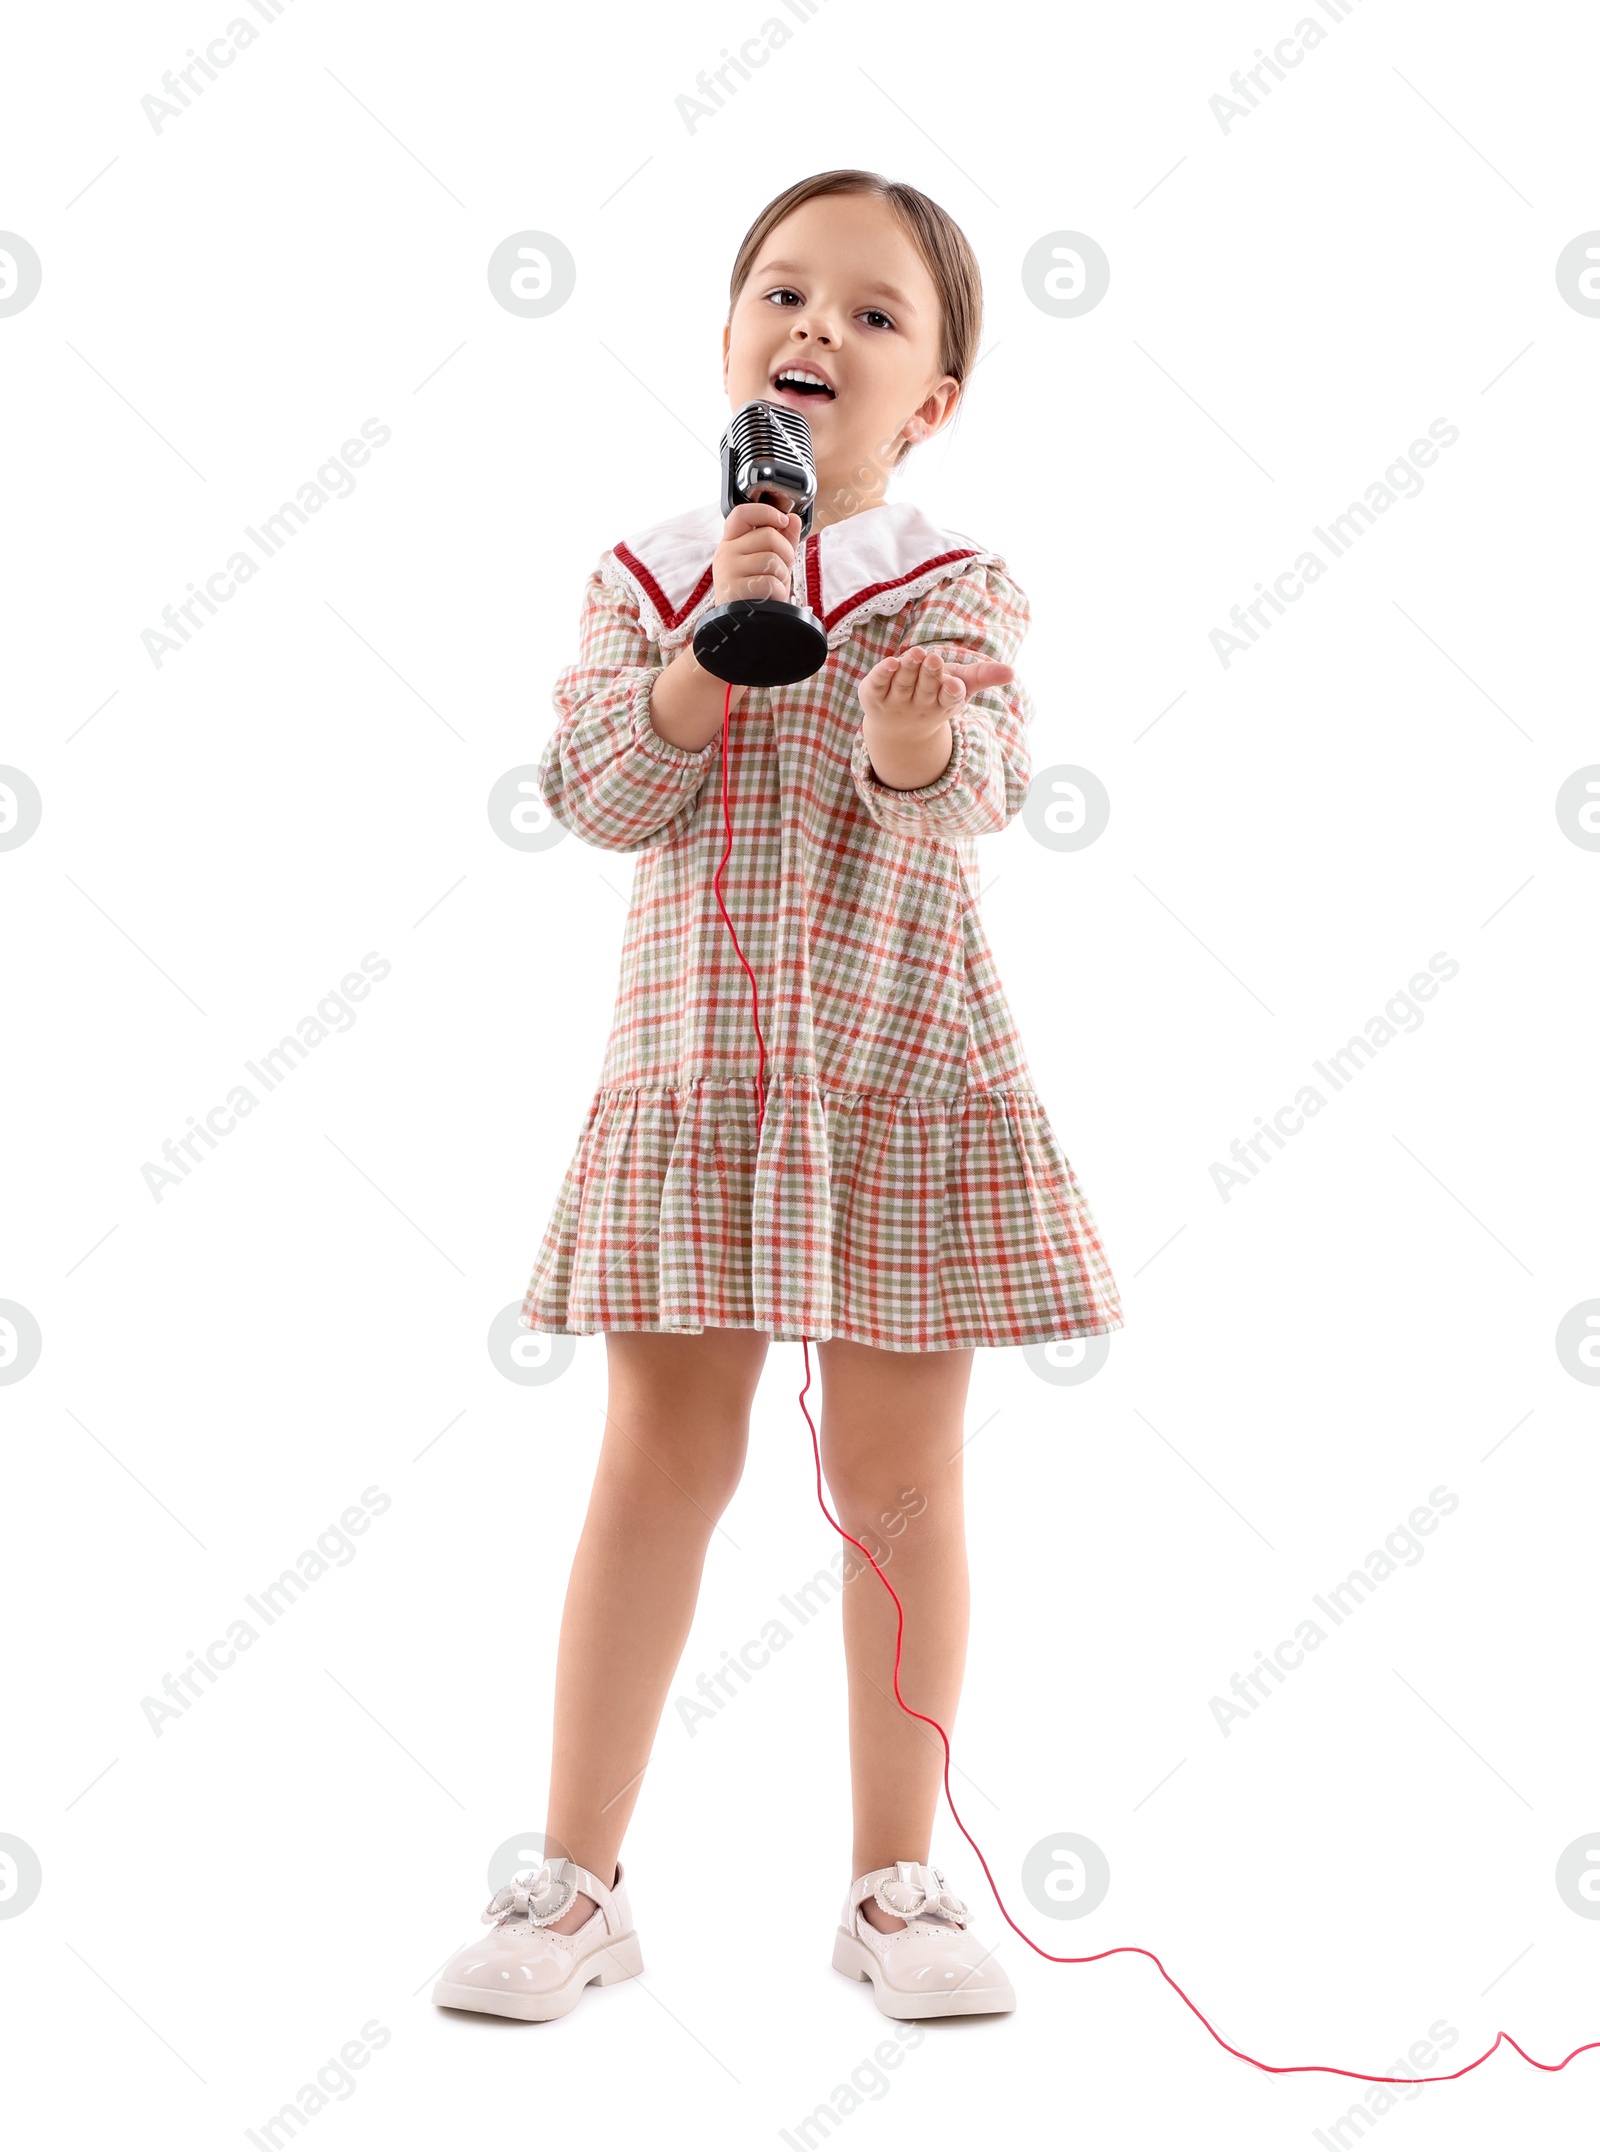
[677,1421]
[890,1434]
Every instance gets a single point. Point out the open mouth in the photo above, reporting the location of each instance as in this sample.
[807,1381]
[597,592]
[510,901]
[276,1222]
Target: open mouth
[801,386]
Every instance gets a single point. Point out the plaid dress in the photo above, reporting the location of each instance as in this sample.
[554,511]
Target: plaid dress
[907,1190]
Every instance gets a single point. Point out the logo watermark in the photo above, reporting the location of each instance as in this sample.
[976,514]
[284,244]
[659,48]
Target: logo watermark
[335,1547]
[1401,481]
[1577,1341]
[333,2082]
[1354,2123]
[183,85]
[532,273]
[332,482]
[1577,273]
[867,2081]
[715,87]
[21,1341]
[20,1876]
[1066,274]
[1068,1361]
[274,1065]
[1403,1546]
[1288,52]
[1577,1875]
[717,1689]
[21,273]
[1338,1071]
[1066,1875]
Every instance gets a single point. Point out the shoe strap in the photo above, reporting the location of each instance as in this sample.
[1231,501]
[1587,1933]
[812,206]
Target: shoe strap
[541,1895]
[911,1890]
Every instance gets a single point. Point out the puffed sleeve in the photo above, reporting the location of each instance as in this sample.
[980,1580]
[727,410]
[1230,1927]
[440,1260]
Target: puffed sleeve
[982,614]
[606,773]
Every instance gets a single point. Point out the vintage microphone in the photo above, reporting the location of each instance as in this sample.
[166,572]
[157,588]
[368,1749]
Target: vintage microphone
[765,642]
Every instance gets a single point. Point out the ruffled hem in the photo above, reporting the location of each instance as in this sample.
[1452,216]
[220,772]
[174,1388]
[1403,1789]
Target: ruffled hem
[916,1224]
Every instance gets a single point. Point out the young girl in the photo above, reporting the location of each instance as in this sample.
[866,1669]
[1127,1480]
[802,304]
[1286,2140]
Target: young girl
[896,1194]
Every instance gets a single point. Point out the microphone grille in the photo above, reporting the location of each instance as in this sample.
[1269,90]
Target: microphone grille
[765,439]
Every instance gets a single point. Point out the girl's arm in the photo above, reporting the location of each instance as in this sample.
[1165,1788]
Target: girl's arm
[982,614]
[606,773]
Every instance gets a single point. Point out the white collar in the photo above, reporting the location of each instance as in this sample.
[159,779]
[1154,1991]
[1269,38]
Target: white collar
[875,561]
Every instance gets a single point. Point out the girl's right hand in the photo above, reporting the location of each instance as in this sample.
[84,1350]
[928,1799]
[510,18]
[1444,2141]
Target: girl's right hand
[757,554]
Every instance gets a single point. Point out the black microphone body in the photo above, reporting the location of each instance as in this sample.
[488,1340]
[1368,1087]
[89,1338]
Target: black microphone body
[765,642]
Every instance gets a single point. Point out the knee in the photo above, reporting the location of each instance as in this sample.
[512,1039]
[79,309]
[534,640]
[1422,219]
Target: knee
[719,1471]
[875,1499]
[699,1461]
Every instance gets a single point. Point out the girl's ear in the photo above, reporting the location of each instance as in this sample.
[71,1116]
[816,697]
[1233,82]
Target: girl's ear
[942,406]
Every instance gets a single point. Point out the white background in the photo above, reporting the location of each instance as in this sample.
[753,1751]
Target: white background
[1291,838]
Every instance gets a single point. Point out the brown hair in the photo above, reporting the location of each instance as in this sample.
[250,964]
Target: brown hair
[935,234]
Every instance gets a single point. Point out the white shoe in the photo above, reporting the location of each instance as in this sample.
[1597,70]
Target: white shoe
[522,1968]
[933,1966]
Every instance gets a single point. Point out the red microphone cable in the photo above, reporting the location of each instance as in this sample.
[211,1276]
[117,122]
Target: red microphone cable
[1274,2068]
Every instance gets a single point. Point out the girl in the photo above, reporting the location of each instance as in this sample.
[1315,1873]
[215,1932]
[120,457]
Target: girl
[895,1192]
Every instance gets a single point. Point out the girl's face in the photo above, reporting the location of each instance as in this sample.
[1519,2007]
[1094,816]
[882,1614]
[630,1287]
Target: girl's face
[840,290]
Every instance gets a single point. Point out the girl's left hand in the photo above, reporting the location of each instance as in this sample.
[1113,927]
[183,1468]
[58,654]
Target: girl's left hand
[916,684]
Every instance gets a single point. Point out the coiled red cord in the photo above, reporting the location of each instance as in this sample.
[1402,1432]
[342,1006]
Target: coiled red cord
[1276,2069]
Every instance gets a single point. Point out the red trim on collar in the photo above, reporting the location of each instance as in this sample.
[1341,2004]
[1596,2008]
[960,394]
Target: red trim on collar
[871,590]
[813,580]
[657,596]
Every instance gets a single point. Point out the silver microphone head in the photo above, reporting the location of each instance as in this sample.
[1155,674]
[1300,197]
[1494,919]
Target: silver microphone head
[766,451]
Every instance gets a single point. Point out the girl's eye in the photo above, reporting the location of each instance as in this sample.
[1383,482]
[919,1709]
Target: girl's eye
[785,292]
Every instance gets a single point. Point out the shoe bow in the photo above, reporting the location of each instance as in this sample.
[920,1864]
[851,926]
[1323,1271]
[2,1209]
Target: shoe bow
[538,1895]
[916,1889]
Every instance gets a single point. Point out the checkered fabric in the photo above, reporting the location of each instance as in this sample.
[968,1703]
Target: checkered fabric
[907,1190]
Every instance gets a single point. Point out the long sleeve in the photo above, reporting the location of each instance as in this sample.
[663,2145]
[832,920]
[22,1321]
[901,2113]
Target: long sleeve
[606,773]
[982,614]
